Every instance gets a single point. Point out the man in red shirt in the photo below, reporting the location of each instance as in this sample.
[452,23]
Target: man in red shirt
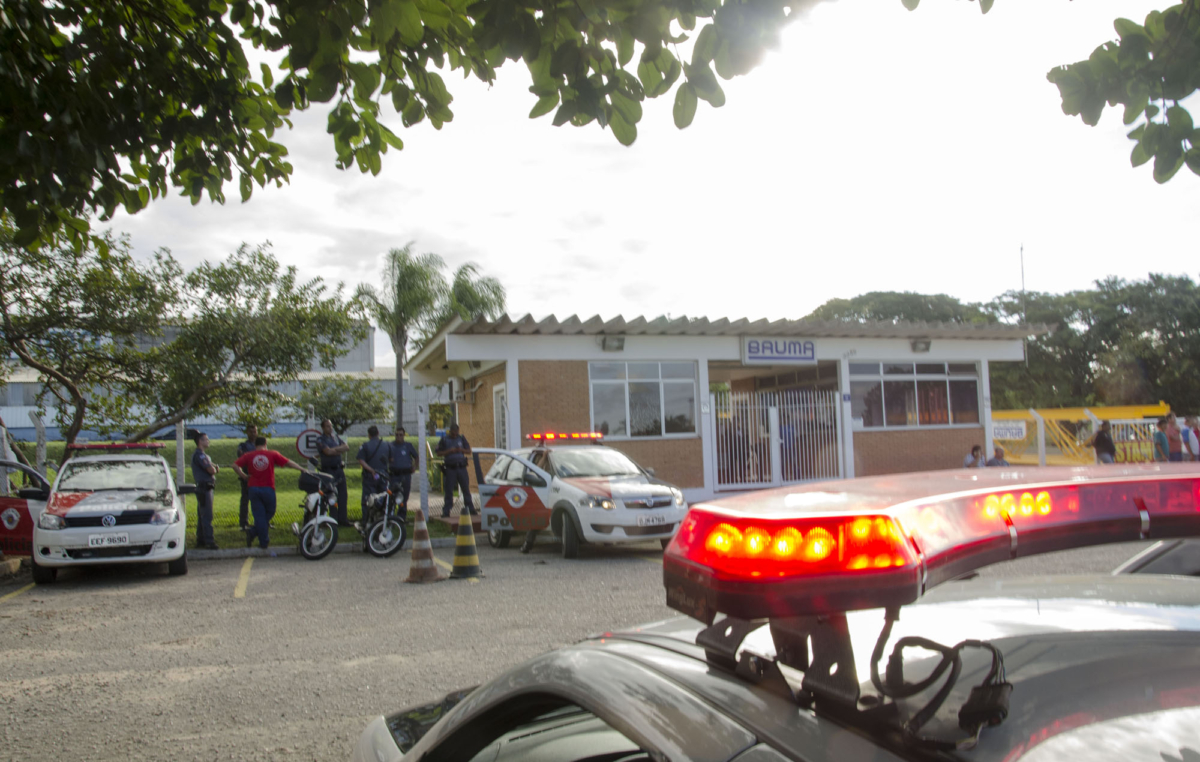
[257,467]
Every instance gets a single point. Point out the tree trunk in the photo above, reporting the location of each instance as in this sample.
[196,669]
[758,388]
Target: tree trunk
[80,405]
[398,345]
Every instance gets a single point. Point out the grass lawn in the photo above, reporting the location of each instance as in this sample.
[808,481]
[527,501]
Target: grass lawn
[288,496]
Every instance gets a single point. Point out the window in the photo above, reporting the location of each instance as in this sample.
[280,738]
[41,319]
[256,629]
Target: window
[891,395]
[643,399]
[495,474]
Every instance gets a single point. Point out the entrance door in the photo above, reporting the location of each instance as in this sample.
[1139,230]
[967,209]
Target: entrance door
[500,416]
[766,439]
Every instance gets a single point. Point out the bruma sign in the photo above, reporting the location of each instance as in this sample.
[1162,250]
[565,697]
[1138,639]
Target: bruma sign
[777,351]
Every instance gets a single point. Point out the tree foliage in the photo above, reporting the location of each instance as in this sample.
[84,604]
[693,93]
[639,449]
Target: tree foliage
[892,306]
[345,401]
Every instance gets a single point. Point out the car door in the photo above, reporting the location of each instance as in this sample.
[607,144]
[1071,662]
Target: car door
[19,511]
[513,495]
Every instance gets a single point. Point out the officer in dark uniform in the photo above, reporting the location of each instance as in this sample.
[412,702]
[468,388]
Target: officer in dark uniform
[402,461]
[454,448]
[372,456]
[204,474]
[244,503]
[332,447]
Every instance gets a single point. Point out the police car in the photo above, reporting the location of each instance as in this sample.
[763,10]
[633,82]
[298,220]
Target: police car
[831,622]
[115,506]
[579,489]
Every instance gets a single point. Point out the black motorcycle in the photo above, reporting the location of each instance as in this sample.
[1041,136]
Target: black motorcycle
[383,524]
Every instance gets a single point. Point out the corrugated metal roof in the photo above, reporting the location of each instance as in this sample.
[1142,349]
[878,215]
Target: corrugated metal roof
[685,326]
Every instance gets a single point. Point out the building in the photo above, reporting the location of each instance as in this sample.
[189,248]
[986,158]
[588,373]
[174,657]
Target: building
[725,405]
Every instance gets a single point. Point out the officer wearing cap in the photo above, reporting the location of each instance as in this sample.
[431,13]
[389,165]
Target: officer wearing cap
[204,474]
[455,448]
[331,447]
[372,456]
[402,461]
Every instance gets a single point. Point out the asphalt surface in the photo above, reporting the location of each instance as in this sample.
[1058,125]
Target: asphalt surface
[121,663]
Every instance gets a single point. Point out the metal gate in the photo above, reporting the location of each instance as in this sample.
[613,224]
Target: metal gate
[766,439]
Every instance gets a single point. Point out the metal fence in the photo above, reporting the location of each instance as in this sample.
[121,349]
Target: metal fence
[772,438]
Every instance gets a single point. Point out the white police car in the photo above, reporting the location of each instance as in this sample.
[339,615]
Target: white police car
[111,508]
[817,634]
[582,491]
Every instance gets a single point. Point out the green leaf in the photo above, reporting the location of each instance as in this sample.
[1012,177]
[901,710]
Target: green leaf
[1151,111]
[564,114]
[627,107]
[985,5]
[685,105]
[1192,158]
[268,78]
[911,4]
[284,94]
[410,27]
[391,138]
[625,132]
[625,47]
[706,45]
[1139,156]
[1167,162]
[723,62]
[1180,121]
[544,106]
[1125,27]
[246,187]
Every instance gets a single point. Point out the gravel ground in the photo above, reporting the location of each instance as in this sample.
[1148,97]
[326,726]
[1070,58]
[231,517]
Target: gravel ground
[129,664]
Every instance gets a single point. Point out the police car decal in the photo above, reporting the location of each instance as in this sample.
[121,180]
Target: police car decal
[11,518]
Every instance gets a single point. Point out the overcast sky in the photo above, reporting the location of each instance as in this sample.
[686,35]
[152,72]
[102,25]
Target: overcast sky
[877,149]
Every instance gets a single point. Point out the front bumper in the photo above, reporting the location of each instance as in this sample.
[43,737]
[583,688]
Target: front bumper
[148,543]
[620,525]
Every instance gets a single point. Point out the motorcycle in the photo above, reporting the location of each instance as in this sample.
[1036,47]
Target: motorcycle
[383,524]
[318,532]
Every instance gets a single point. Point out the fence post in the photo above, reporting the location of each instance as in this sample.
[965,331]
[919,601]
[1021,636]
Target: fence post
[1095,428]
[1041,436]
[309,422]
[180,432]
[422,458]
[6,455]
[39,426]
[774,441]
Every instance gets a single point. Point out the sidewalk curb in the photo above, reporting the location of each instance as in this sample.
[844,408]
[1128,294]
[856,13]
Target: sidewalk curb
[291,550]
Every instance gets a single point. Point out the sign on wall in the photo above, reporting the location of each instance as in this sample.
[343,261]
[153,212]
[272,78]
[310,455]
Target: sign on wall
[1008,430]
[767,350]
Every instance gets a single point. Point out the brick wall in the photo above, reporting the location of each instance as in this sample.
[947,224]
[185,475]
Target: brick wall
[893,452]
[678,461]
[476,421]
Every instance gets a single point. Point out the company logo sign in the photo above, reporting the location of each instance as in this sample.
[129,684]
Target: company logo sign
[109,520]
[766,350]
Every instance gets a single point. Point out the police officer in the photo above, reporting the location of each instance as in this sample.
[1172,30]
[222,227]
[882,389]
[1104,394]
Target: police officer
[372,456]
[402,461]
[204,474]
[331,447]
[455,448]
[244,503]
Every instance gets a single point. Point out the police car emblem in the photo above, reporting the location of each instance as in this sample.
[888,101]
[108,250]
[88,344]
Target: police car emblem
[11,518]
[515,497]
[109,520]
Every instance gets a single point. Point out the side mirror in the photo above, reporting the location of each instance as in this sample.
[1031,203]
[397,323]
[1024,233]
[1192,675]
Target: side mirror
[649,471]
[33,493]
[186,489]
[533,480]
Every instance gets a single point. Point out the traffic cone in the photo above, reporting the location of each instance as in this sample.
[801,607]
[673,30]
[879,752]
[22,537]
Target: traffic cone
[466,557]
[423,569]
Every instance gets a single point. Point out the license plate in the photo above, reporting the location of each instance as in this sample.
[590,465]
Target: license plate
[107,540]
[651,520]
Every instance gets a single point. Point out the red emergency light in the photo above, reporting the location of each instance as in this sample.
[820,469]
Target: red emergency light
[118,446]
[884,541]
[550,436]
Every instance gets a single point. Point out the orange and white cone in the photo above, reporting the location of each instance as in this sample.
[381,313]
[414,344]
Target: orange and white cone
[423,568]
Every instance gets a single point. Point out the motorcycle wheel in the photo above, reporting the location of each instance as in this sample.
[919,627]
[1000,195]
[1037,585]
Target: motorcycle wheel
[318,540]
[499,538]
[384,538]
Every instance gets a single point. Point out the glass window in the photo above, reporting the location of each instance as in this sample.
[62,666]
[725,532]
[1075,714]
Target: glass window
[897,369]
[900,403]
[608,409]
[608,370]
[864,368]
[495,474]
[964,401]
[964,367]
[645,409]
[593,461]
[643,370]
[94,476]
[515,473]
[679,370]
[932,402]
[929,367]
[866,402]
[679,408]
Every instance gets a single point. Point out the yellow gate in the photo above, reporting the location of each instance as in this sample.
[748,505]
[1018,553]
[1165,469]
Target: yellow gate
[1068,429]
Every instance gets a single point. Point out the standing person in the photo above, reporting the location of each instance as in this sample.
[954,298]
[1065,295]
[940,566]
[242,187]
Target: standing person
[402,461]
[372,456]
[1161,445]
[1174,440]
[331,446]
[1102,443]
[975,459]
[244,502]
[455,448]
[997,458]
[1191,438]
[204,474]
[257,467]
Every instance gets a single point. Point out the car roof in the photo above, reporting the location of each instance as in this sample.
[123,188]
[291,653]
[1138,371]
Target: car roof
[1084,655]
[115,458]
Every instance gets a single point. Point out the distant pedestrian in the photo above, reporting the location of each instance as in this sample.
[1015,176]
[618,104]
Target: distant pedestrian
[331,447]
[1161,444]
[1102,443]
[1191,439]
[244,501]
[258,468]
[204,474]
[997,458]
[403,460]
[975,459]
[455,448]
[1174,441]
[372,456]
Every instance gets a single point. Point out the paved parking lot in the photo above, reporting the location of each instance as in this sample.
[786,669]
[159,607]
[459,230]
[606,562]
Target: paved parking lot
[283,657]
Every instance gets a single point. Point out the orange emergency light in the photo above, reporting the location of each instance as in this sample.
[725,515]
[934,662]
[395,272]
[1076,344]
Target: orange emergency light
[551,436]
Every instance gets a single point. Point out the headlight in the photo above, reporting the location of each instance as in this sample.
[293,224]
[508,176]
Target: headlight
[595,501]
[50,521]
[678,496]
[168,516]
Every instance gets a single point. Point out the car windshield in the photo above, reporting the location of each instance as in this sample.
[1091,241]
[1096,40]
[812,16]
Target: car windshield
[593,461]
[109,475]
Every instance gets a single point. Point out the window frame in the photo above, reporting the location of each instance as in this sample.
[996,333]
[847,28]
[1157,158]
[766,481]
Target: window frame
[625,381]
[883,377]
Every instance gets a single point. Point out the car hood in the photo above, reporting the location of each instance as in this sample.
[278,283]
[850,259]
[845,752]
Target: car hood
[107,501]
[620,487]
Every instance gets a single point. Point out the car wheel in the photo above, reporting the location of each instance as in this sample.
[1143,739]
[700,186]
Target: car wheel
[499,538]
[43,575]
[570,538]
[178,567]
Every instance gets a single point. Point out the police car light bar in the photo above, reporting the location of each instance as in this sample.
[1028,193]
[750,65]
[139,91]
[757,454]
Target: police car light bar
[884,541]
[576,435]
[118,446]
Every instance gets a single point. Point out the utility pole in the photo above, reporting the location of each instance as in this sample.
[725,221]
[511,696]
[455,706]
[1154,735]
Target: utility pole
[1024,307]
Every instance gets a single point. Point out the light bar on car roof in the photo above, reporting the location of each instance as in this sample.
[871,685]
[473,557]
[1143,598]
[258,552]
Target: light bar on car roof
[550,436]
[118,446]
[883,541]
